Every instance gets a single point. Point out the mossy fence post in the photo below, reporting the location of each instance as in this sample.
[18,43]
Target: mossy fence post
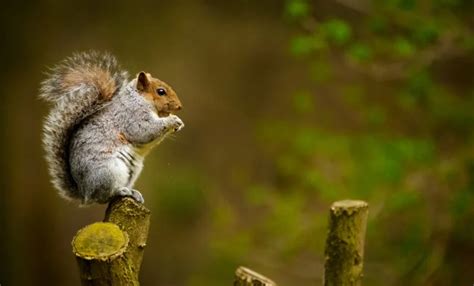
[111,252]
[344,251]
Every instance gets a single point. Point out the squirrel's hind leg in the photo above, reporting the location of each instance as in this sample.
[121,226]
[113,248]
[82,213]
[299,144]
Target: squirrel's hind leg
[101,185]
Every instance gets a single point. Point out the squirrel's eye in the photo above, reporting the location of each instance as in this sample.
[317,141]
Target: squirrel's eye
[161,91]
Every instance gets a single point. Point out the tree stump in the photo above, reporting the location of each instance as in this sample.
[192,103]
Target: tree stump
[111,252]
[345,243]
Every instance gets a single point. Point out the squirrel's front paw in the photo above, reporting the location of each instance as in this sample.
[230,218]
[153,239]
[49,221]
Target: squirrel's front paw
[175,123]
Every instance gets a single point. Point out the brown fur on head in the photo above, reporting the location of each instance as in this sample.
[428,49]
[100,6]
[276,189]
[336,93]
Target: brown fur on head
[159,93]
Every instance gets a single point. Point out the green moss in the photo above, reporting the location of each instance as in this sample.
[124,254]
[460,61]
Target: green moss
[100,240]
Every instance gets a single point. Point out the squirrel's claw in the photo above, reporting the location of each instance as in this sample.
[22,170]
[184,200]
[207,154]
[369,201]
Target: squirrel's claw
[176,123]
[134,194]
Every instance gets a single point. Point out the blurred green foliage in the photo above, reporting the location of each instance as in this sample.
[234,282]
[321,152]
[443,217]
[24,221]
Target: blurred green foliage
[408,147]
[336,31]
[289,106]
[182,201]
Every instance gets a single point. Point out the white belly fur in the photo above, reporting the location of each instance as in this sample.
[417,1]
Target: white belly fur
[127,166]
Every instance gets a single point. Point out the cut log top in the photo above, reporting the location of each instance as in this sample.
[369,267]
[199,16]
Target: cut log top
[100,241]
[247,277]
[348,207]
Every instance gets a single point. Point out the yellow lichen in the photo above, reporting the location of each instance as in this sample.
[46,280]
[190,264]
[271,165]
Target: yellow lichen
[101,240]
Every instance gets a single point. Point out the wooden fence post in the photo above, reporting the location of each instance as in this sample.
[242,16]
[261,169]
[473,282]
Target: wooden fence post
[344,252]
[111,252]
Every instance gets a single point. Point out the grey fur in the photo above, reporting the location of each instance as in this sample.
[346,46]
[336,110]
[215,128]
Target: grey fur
[88,160]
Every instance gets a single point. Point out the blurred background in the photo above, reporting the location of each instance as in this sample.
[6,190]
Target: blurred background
[288,106]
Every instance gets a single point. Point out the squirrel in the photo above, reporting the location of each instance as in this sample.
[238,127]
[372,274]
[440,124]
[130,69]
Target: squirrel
[102,125]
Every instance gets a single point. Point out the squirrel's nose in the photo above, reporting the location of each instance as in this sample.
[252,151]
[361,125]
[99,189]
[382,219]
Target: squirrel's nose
[179,106]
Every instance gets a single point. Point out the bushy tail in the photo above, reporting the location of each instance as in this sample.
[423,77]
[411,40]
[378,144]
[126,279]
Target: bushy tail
[77,87]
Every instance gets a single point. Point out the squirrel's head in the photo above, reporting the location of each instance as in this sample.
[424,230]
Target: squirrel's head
[157,92]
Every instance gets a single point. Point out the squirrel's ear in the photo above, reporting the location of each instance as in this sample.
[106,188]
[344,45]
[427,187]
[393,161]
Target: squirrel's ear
[142,81]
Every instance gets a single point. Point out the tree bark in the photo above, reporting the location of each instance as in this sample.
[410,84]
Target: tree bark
[134,219]
[111,252]
[345,243]
[247,277]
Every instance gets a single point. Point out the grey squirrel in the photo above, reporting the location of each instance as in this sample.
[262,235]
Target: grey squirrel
[102,126]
